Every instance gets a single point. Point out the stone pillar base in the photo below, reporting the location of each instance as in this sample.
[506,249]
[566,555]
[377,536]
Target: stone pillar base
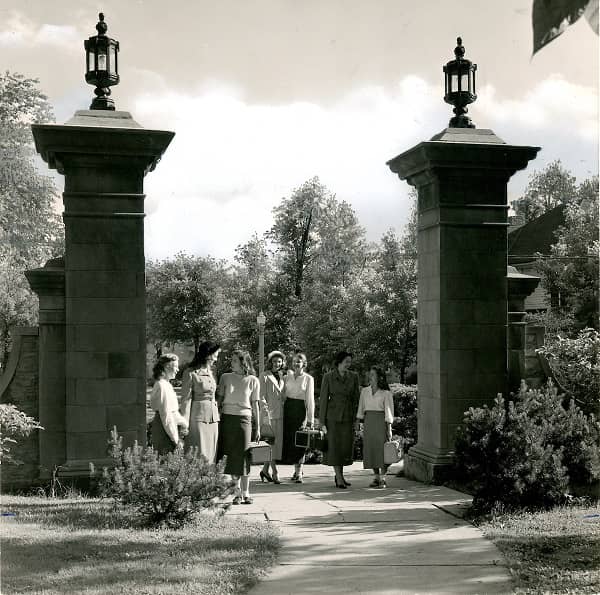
[81,468]
[428,465]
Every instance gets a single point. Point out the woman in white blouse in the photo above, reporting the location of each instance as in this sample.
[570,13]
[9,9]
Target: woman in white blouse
[167,420]
[376,408]
[298,412]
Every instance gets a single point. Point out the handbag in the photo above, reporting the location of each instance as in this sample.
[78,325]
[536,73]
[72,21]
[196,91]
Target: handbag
[392,452]
[259,453]
[311,439]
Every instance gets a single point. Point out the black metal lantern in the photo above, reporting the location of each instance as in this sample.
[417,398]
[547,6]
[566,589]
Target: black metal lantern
[460,86]
[102,65]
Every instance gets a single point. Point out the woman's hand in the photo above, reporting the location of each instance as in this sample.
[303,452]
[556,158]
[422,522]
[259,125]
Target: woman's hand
[324,429]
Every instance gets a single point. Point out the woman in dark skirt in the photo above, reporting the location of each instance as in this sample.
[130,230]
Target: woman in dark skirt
[376,408]
[167,421]
[298,412]
[338,405]
[239,393]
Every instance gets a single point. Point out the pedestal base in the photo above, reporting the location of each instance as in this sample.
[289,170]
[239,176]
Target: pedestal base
[428,465]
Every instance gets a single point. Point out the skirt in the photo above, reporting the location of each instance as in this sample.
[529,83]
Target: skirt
[277,445]
[294,413]
[235,434]
[161,442]
[340,441]
[202,435]
[374,437]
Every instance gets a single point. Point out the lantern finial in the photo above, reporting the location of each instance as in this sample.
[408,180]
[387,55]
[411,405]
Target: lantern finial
[459,77]
[102,65]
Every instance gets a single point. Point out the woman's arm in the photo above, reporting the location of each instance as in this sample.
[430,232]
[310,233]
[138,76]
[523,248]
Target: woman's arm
[323,401]
[186,395]
[254,401]
[169,417]
[360,414]
[309,401]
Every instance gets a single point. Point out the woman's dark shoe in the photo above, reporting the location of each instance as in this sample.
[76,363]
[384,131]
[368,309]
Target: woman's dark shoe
[247,500]
[342,486]
[276,479]
[346,483]
[264,476]
[298,479]
[375,483]
[237,500]
[294,477]
[382,483]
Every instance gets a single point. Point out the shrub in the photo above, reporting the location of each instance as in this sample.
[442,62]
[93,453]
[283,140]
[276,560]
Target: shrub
[164,490]
[14,424]
[523,453]
[405,414]
[576,364]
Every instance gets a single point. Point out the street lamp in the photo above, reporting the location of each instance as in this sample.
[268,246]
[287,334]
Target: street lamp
[260,321]
[459,77]
[102,65]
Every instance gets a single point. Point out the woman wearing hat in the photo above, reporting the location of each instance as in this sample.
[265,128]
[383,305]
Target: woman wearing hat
[298,412]
[198,404]
[271,394]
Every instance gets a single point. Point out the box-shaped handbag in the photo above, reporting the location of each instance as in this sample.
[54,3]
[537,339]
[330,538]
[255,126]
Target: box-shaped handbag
[259,452]
[392,452]
[311,439]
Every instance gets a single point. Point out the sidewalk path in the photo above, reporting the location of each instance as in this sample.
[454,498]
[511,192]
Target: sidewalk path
[407,538]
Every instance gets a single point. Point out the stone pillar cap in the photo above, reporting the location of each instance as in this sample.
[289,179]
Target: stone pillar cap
[102,118]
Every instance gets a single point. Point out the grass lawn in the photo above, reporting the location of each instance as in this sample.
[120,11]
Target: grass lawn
[83,545]
[557,551]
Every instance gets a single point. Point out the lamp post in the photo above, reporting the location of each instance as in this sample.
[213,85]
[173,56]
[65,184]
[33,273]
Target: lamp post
[260,321]
[102,65]
[459,77]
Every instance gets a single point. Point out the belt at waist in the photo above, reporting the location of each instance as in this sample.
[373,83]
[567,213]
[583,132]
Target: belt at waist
[197,399]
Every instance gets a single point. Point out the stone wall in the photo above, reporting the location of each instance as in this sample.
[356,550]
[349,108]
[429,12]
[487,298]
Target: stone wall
[19,387]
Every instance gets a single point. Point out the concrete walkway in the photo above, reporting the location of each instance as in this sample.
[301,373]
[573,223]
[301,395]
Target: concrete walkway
[407,538]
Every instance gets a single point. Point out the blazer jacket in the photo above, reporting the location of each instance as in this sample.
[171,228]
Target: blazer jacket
[199,387]
[339,397]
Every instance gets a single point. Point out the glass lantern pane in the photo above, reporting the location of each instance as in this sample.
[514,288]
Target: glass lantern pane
[90,61]
[464,82]
[454,83]
[473,82]
[101,61]
[112,65]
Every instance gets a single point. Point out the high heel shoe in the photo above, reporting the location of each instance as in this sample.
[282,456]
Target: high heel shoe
[341,486]
[346,483]
[298,479]
[276,479]
[264,476]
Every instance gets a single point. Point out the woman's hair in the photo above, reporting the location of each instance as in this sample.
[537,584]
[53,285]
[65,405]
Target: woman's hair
[302,357]
[163,361]
[381,378]
[205,350]
[340,356]
[273,356]
[245,361]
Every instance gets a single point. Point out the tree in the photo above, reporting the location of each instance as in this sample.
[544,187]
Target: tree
[551,18]
[546,189]
[31,231]
[186,300]
[571,272]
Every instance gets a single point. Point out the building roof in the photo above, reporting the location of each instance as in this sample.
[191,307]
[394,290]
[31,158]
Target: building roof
[536,236]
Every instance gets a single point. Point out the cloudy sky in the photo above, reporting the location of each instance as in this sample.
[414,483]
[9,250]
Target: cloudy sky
[264,94]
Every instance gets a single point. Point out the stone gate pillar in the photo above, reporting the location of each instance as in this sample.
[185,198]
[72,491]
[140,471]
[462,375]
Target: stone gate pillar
[461,176]
[104,156]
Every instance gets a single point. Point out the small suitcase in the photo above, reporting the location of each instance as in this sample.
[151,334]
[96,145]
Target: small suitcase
[311,439]
[259,452]
[392,452]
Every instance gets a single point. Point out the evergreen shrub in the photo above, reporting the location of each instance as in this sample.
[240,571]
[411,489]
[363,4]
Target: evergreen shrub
[14,424]
[526,452]
[165,490]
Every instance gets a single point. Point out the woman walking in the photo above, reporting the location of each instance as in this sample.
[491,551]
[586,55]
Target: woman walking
[338,405]
[298,412]
[167,420]
[198,404]
[271,391]
[376,407]
[239,392]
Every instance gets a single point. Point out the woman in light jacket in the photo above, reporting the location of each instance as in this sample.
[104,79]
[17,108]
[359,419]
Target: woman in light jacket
[298,412]
[239,392]
[271,393]
[198,404]
[167,420]
[376,408]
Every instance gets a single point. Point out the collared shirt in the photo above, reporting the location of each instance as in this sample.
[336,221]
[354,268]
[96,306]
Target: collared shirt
[164,400]
[382,400]
[271,394]
[339,396]
[199,387]
[238,393]
[302,388]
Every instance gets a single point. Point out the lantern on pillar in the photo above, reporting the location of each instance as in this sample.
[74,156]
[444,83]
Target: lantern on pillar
[102,65]
[460,86]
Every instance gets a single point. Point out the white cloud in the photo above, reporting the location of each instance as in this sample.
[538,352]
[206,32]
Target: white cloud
[19,31]
[231,162]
